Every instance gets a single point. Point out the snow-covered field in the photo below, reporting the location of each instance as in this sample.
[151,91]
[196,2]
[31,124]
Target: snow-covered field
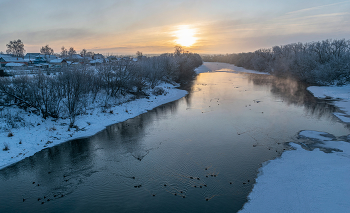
[37,133]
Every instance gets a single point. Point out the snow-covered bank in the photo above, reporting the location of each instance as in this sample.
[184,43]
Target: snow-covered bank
[38,133]
[305,181]
[341,95]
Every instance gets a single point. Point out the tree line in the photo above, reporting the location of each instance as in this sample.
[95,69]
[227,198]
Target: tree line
[72,89]
[324,62]
[16,49]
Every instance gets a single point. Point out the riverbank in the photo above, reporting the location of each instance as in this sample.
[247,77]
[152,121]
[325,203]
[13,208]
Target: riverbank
[32,133]
[339,94]
[305,181]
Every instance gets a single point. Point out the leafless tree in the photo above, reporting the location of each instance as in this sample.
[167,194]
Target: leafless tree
[16,48]
[64,52]
[46,50]
[71,51]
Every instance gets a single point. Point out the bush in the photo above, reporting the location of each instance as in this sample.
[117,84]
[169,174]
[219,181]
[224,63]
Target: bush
[158,91]
[6,147]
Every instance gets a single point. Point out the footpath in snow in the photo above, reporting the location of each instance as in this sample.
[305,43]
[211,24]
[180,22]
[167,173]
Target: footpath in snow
[38,133]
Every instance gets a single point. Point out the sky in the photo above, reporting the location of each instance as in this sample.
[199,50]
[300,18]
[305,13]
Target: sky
[156,26]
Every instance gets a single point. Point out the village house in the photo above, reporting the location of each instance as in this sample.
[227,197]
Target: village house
[98,56]
[5,59]
[59,62]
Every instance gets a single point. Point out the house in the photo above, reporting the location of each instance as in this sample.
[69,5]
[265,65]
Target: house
[96,62]
[59,62]
[42,65]
[75,58]
[14,65]
[44,58]
[98,56]
[5,59]
[39,59]
[30,56]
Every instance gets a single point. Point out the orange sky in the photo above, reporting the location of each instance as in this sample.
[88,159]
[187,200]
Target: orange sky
[156,26]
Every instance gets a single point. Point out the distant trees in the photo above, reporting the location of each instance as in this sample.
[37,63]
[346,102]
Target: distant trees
[323,62]
[46,50]
[16,48]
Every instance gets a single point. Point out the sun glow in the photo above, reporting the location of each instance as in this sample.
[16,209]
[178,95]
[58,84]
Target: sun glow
[185,36]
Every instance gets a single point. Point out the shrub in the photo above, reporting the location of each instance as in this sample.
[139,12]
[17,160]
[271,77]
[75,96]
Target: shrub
[158,91]
[6,147]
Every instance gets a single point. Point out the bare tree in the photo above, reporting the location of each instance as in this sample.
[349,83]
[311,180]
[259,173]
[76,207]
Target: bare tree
[90,54]
[46,50]
[71,51]
[16,48]
[178,50]
[83,52]
[75,88]
[64,52]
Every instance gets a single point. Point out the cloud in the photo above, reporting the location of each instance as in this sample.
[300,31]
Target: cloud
[317,7]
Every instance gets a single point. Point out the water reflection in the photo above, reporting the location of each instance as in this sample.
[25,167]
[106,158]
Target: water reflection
[295,92]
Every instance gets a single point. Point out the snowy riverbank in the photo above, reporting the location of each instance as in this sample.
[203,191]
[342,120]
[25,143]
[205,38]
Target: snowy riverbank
[37,133]
[340,95]
[305,181]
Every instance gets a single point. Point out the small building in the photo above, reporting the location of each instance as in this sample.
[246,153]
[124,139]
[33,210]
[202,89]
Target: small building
[96,62]
[98,56]
[30,56]
[75,58]
[5,59]
[59,62]
[42,65]
[14,65]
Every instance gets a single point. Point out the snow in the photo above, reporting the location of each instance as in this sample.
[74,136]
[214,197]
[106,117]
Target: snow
[36,133]
[341,95]
[304,181]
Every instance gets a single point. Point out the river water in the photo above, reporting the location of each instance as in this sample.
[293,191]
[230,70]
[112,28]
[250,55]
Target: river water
[198,154]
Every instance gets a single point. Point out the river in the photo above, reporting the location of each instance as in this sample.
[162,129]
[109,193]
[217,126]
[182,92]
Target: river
[197,154]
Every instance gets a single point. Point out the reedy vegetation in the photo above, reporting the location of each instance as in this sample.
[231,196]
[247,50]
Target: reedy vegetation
[73,88]
[324,62]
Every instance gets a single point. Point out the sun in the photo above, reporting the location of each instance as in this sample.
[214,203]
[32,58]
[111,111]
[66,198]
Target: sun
[185,36]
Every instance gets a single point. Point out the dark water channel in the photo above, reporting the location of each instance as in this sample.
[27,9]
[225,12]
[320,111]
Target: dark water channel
[198,154]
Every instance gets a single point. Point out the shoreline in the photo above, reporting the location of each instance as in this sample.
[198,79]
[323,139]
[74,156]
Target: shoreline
[39,134]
